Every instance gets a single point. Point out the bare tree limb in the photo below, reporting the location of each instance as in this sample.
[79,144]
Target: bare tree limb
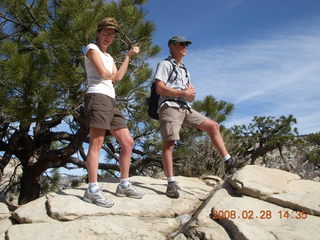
[62,136]
[108,150]
[103,166]
[5,160]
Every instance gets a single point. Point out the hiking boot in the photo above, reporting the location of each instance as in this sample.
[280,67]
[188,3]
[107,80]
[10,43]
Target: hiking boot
[97,198]
[172,190]
[229,166]
[129,192]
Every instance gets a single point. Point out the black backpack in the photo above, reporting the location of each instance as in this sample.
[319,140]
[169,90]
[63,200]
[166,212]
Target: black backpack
[153,100]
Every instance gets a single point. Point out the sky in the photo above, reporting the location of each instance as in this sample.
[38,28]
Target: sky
[261,55]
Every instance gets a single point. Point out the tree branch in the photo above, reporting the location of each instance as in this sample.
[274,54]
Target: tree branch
[102,166]
[61,136]
[4,161]
[108,150]
[12,20]
[33,18]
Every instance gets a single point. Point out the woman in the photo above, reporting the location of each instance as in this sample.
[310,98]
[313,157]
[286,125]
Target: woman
[102,114]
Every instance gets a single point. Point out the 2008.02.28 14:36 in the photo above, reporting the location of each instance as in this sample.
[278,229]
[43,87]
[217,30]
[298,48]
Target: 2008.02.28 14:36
[250,214]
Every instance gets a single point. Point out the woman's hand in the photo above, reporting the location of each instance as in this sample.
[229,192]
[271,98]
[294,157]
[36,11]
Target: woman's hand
[124,66]
[133,51]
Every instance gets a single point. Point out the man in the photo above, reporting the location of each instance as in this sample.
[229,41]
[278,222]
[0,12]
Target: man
[175,90]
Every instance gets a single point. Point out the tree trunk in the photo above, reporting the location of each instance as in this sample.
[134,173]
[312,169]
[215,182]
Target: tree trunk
[286,162]
[261,151]
[29,185]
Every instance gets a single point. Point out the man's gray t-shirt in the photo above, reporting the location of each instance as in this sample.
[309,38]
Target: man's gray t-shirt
[179,79]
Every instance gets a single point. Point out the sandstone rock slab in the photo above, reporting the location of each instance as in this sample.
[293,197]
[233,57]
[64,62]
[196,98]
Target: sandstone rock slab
[4,211]
[206,227]
[70,206]
[33,212]
[253,219]
[211,180]
[99,228]
[279,187]
[4,225]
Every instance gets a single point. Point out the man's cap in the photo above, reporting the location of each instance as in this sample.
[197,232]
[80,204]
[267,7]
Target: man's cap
[108,23]
[178,39]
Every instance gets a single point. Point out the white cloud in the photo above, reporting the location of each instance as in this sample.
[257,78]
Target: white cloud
[276,75]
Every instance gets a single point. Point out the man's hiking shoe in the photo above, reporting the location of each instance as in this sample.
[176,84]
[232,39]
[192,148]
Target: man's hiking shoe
[172,190]
[229,166]
[128,192]
[97,198]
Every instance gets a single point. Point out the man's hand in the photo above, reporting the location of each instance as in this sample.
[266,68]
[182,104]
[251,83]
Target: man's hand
[190,93]
[133,51]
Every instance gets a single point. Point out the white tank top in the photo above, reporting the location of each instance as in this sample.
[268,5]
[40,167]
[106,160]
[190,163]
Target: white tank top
[95,83]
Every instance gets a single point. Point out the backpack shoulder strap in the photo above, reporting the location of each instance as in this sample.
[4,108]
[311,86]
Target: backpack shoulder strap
[174,69]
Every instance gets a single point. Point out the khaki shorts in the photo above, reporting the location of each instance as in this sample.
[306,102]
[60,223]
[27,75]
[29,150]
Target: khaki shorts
[171,120]
[101,112]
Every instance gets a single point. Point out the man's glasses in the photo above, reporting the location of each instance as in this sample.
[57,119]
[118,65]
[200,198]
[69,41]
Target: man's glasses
[184,44]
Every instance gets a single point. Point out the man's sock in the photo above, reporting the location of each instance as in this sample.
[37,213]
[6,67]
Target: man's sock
[124,183]
[93,187]
[227,157]
[170,179]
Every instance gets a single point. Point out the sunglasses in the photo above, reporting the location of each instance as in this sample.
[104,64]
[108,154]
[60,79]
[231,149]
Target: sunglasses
[185,44]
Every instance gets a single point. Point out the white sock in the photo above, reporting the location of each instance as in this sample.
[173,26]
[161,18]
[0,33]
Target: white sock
[170,179]
[93,187]
[227,157]
[124,182]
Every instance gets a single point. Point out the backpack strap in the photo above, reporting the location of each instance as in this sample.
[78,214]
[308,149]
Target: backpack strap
[174,70]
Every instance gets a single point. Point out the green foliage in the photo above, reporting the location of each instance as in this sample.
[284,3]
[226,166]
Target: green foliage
[75,183]
[264,134]
[198,158]
[313,141]
[45,186]
[42,81]
[217,110]
[50,183]
[55,179]
[43,67]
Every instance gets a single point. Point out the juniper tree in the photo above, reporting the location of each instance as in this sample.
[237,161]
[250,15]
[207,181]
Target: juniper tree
[42,82]
[265,134]
[306,154]
[313,155]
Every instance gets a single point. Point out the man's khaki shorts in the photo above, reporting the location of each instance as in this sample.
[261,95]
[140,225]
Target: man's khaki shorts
[171,120]
[101,112]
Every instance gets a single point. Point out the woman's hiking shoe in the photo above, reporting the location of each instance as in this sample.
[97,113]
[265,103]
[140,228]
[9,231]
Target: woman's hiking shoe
[172,190]
[128,191]
[97,198]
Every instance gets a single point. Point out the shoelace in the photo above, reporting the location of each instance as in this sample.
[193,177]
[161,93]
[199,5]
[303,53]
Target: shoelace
[100,194]
[176,184]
